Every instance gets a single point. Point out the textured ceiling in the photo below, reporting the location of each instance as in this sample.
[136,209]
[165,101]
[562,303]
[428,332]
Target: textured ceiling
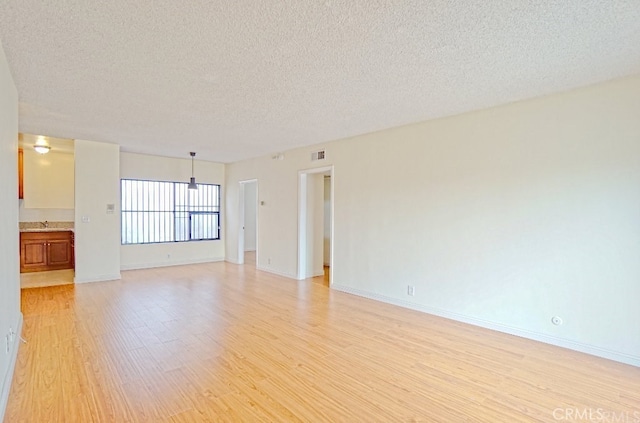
[237,79]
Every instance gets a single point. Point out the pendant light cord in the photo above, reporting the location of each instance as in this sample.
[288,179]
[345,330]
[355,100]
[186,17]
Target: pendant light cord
[192,181]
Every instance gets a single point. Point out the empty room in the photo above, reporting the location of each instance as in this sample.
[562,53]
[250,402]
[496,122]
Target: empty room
[320,211]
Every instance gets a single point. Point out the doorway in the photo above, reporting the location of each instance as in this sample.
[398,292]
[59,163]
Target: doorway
[315,223]
[248,222]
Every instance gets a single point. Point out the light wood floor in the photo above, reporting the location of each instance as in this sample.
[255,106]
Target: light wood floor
[221,342]
[250,258]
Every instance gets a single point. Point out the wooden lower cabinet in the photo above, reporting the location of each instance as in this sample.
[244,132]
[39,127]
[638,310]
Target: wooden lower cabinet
[40,251]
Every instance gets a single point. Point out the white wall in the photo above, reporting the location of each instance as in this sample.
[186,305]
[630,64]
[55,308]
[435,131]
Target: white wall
[40,215]
[10,316]
[97,242]
[277,232]
[250,204]
[49,187]
[502,218]
[48,180]
[140,166]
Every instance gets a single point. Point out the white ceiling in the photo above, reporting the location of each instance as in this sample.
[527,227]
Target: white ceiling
[234,79]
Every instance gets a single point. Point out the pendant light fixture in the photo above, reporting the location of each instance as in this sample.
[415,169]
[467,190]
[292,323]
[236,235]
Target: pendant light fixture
[192,181]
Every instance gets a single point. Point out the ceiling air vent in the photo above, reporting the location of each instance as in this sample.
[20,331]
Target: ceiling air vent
[317,155]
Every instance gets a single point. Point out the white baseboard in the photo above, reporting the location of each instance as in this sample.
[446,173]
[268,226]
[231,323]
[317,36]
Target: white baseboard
[151,265]
[6,385]
[547,339]
[98,278]
[275,272]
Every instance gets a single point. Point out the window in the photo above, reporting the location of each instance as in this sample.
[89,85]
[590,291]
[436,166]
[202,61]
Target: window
[154,211]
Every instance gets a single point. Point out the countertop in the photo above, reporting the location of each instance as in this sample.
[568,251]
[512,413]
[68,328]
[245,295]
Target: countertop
[46,226]
[47,230]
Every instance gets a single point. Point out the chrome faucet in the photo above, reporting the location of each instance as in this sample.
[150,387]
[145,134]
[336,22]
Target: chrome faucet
[45,224]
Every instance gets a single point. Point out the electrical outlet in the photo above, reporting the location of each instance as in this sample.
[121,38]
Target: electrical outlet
[269,261]
[556,320]
[411,290]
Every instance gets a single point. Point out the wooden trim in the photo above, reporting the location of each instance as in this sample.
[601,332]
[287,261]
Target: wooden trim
[20,173]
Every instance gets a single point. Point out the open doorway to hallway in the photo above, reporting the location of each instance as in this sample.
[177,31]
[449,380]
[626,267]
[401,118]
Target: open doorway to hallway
[248,233]
[315,231]
[326,229]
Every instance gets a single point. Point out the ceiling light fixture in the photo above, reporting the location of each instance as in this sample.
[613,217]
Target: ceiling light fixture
[42,149]
[41,145]
[192,181]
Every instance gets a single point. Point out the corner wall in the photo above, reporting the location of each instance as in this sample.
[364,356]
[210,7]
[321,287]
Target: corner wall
[97,232]
[502,218]
[10,316]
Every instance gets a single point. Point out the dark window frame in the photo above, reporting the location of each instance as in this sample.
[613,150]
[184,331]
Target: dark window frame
[158,212]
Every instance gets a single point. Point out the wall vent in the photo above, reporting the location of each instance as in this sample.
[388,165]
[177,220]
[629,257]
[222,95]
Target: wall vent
[317,155]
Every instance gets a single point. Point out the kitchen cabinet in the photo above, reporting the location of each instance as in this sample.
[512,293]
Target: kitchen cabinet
[46,250]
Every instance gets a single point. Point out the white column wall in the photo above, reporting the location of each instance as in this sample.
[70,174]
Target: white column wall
[97,233]
[10,316]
